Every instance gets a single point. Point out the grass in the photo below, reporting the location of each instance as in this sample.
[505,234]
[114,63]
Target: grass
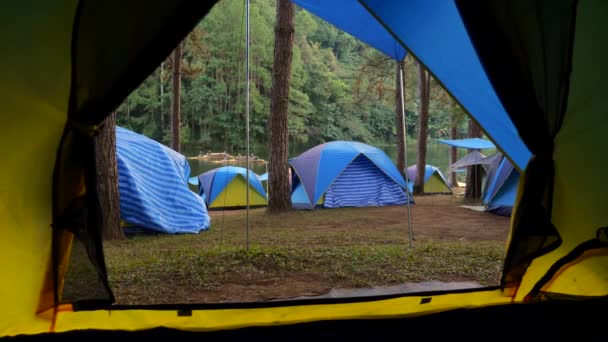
[317,250]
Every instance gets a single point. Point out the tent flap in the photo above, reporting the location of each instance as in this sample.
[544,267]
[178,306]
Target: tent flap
[352,18]
[529,44]
[434,33]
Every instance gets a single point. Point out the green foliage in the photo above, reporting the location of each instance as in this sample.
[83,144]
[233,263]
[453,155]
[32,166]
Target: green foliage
[340,87]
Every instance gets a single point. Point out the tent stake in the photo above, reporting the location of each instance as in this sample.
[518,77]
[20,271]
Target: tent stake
[247,112]
[407,189]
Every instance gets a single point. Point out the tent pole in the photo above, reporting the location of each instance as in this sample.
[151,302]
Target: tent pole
[247,112]
[409,209]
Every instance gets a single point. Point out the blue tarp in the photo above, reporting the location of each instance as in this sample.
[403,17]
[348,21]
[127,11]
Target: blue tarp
[433,31]
[471,143]
[352,18]
[153,188]
[373,187]
[319,167]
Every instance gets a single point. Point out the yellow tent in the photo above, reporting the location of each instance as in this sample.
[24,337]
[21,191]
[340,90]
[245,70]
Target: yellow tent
[67,64]
[226,187]
[434,181]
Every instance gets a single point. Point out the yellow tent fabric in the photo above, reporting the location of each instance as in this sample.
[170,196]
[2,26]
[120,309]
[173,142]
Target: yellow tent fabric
[35,86]
[233,318]
[234,195]
[436,184]
[579,199]
[42,70]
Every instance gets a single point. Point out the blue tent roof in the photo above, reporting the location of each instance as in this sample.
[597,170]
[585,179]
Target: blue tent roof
[471,143]
[213,182]
[352,18]
[318,167]
[264,177]
[153,189]
[433,31]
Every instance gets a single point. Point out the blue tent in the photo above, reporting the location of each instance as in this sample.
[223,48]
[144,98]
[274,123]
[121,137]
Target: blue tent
[434,33]
[153,189]
[501,189]
[345,174]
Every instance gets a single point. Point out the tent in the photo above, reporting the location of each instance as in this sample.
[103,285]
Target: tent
[530,72]
[501,188]
[153,188]
[472,158]
[226,188]
[434,181]
[345,174]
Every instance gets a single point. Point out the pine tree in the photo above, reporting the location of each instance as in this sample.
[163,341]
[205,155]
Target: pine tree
[107,179]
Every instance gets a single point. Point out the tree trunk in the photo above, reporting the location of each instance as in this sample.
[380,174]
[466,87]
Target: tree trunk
[278,144]
[107,179]
[453,151]
[423,126]
[474,172]
[162,92]
[175,106]
[399,119]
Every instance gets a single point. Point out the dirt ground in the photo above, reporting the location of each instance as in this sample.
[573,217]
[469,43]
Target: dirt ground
[303,253]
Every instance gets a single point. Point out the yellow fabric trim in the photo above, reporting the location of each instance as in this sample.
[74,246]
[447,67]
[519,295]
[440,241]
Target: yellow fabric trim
[436,185]
[207,320]
[588,276]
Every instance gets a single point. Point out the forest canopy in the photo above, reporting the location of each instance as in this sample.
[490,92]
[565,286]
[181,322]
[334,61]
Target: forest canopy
[341,89]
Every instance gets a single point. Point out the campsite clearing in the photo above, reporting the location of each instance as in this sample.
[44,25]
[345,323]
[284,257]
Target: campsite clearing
[308,253]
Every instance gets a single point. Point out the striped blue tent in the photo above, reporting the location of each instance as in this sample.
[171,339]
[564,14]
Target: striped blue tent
[345,174]
[153,188]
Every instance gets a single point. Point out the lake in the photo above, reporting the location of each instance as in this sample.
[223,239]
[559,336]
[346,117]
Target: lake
[437,154]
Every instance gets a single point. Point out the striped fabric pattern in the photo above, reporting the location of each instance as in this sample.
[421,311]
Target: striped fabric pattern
[363,184]
[153,188]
